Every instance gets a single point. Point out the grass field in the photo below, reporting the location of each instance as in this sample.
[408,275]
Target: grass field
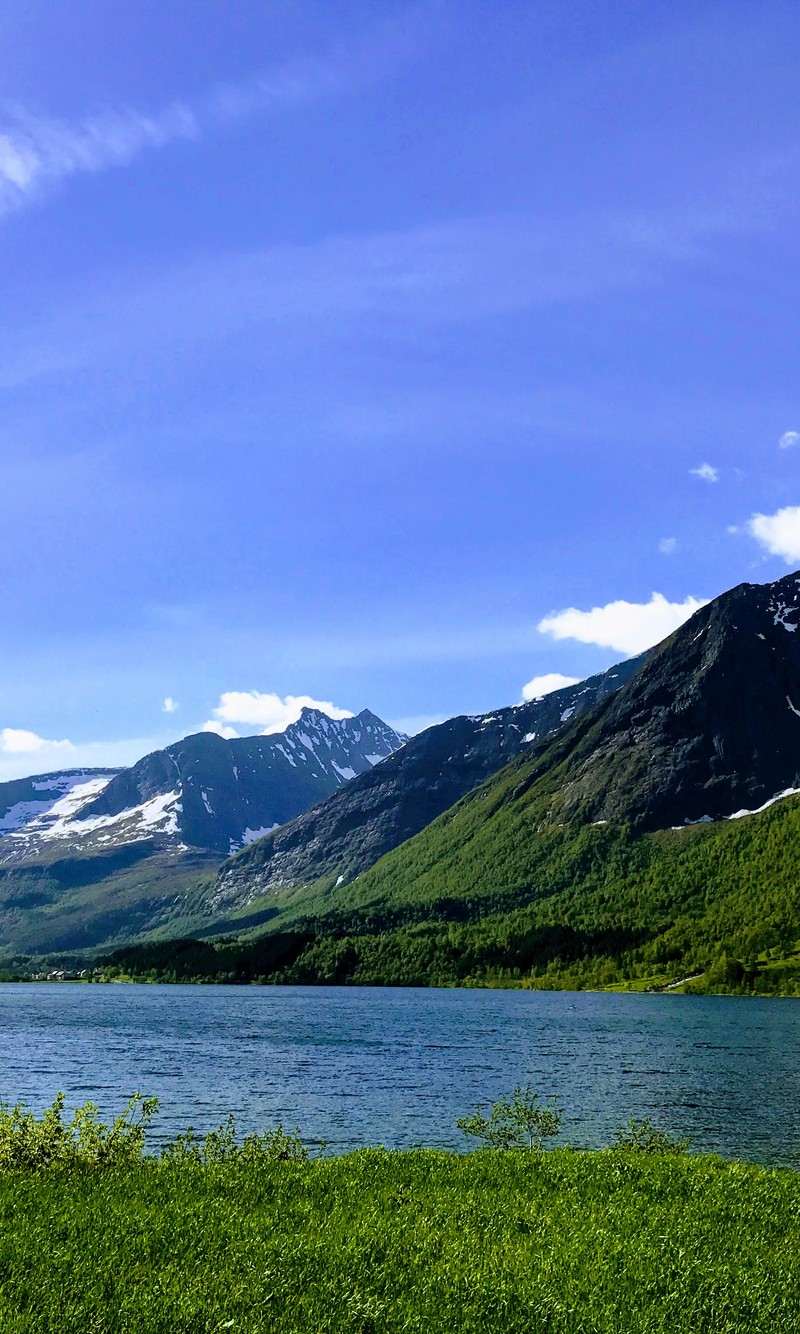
[380,1242]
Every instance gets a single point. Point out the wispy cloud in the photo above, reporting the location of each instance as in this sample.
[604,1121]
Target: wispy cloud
[628,627]
[292,85]
[668,546]
[706,472]
[789,439]
[382,283]
[37,152]
[170,705]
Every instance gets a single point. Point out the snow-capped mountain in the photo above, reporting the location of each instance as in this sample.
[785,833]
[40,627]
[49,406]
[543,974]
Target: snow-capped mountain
[203,792]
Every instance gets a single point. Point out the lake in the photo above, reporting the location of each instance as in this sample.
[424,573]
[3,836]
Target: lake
[356,1066]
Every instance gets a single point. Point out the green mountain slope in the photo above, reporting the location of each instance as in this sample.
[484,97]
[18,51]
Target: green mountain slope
[475,899]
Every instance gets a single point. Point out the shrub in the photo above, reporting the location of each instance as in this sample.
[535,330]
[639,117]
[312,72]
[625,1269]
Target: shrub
[221,1145]
[518,1121]
[644,1137]
[27,1144]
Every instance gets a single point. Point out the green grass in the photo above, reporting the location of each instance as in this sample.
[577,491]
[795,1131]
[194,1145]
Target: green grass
[382,1242]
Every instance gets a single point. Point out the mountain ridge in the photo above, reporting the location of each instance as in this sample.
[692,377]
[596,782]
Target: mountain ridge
[204,791]
[351,829]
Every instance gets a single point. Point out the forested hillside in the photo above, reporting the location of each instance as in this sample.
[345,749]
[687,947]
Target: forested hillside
[575,907]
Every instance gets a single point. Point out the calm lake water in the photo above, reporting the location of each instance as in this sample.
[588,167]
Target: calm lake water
[363,1066]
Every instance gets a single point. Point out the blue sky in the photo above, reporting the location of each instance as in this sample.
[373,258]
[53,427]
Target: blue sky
[353,351]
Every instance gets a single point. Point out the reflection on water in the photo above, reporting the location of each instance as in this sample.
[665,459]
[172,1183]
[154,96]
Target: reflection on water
[357,1066]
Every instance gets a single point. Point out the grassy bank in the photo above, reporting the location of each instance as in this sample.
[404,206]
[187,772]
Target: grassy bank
[418,1241]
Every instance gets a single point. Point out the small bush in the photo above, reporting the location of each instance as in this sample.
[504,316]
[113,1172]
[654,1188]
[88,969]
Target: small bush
[518,1121]
[221,1146]
[644,1137]
[27,1144]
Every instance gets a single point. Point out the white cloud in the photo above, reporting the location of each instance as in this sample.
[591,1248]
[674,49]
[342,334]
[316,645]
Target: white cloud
[668,545]
[778,533]
[706,472]
[788,439]
[271,713]
[546,684]
[629,627]
[17,741]
[220,728]
[170,705]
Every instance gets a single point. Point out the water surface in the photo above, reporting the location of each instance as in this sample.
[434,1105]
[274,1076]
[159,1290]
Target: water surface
[357,1066]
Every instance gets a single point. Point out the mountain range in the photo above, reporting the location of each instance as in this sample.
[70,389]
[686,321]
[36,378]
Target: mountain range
[202,792]
[651,841]
[98,857]
[87,856]
[638,828]
[343,836]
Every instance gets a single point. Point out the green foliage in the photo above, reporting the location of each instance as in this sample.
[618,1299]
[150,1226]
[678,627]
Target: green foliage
[644,1137]
[27,1144]
[424,1242]
[222,1146]
[521,1121]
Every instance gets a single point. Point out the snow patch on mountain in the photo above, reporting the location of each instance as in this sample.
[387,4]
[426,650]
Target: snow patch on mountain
[159,812]
[779,796]
[250,835]
[71,791]
[19,814]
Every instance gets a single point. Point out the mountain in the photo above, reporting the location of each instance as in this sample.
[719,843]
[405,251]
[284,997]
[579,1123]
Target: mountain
[706,731]
[653,842]
[386,805]
[202,792]
[710,726]
[96,856]
[649,832]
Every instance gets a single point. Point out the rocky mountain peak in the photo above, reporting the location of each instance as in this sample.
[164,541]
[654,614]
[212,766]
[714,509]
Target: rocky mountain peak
[204,791]
[709,726]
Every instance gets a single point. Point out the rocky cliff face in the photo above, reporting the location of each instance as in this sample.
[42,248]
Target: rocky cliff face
[380,809]
[708,727]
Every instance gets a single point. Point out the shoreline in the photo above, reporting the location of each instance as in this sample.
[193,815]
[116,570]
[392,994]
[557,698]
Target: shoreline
[615,989]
